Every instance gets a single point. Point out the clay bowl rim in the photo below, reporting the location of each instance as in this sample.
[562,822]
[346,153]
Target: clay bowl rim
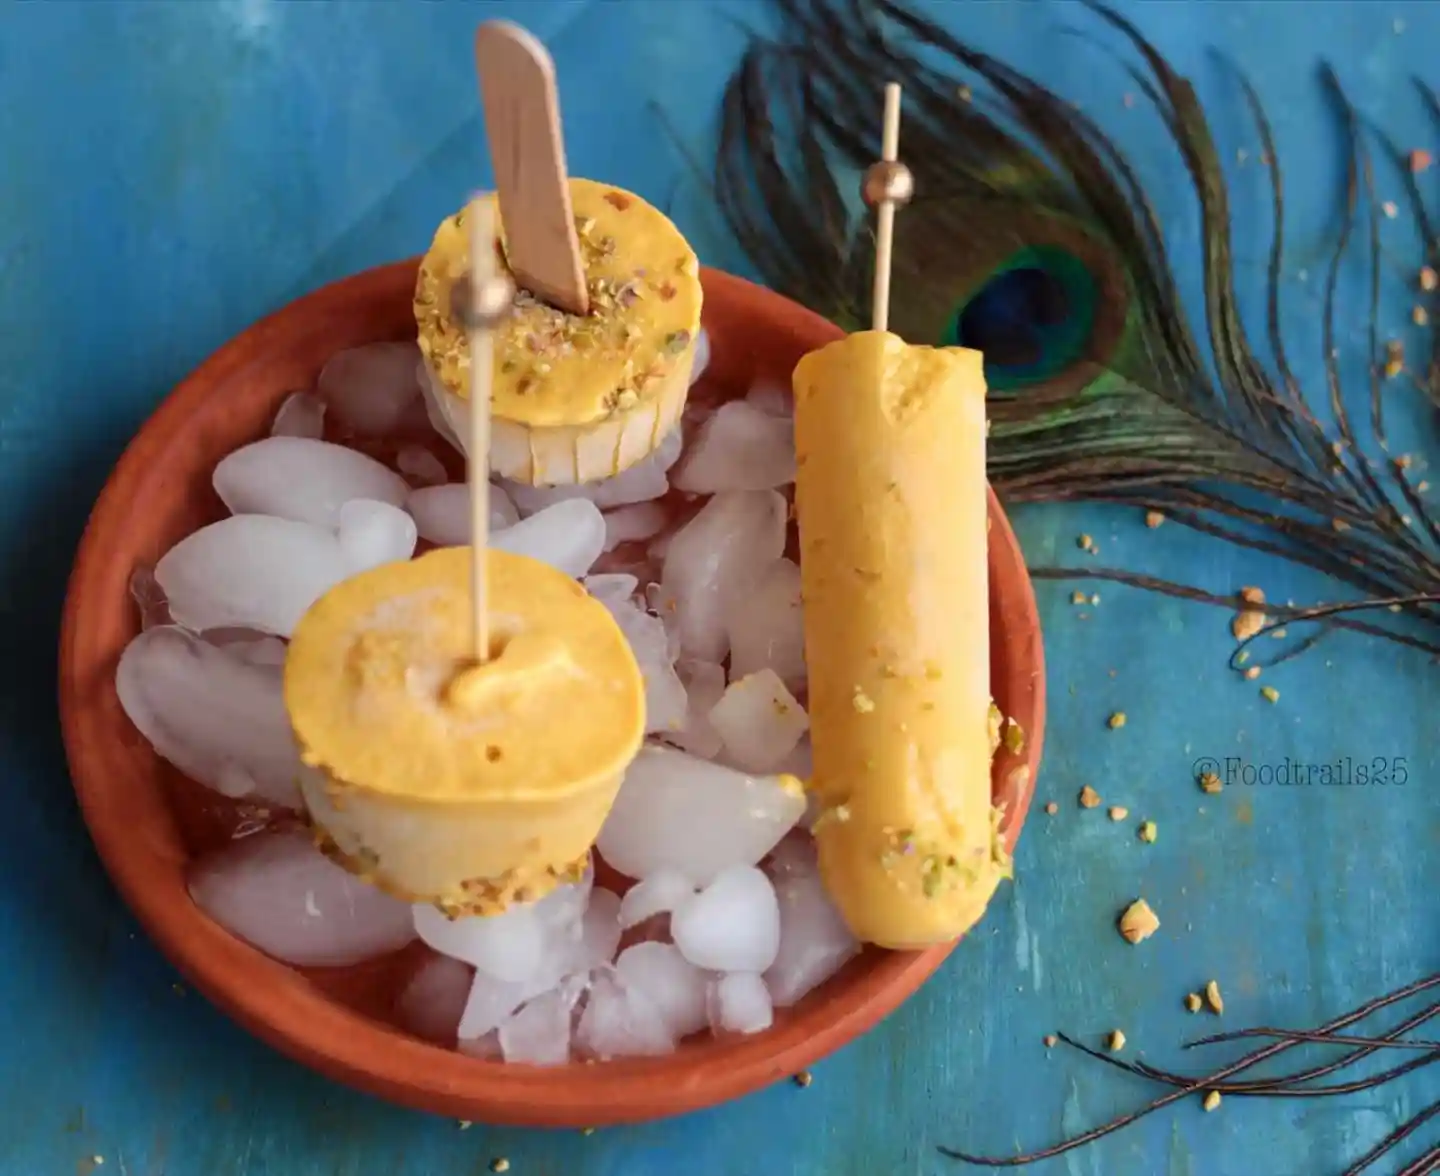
[277,1004]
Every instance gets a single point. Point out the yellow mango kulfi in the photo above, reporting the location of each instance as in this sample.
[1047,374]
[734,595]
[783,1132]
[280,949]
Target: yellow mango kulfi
[575,398]
[890,501]
[442,780]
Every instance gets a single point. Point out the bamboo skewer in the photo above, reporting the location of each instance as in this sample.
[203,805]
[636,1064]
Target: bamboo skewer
[491,295]
[888,186]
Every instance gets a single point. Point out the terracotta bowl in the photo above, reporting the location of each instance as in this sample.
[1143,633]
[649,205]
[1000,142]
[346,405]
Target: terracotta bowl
[146,824]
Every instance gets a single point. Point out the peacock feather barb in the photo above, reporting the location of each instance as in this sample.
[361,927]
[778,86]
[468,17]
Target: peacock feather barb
[1032,239]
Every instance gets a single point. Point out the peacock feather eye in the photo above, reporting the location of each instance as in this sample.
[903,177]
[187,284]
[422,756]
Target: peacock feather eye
[1032,317]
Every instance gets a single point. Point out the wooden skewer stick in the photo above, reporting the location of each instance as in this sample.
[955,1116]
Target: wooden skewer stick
[888,185]
[491,296]
[527,153]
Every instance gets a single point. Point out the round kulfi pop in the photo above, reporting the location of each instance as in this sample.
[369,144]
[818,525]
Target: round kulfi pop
[576,397]
[445,780]
[891,506]
[425,698]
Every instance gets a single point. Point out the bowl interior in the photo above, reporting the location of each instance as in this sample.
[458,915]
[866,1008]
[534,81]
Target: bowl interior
[148,821]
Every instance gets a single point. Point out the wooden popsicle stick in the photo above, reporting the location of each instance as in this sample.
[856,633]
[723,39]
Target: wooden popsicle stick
[885,213]
[483,274]
[527,152]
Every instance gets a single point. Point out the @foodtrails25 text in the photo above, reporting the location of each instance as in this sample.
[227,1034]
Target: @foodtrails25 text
[1340,772]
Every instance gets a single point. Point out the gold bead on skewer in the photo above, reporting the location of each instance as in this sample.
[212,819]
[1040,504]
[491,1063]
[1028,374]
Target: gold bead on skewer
[887,182]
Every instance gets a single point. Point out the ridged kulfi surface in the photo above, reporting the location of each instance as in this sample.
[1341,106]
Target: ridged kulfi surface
[891,505]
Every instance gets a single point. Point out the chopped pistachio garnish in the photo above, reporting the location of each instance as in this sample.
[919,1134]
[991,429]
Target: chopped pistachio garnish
[1117,1041]
[1138,921]
[1153,518]
[1192,1002]
[1077,598]
[804,1078]
[1210,782]
[1252,673]
[1148,832]
[1014,737]
[1089,798]
[1118,812]
[1213,998]
[1270,694]
[500,1164]
[1212,1100]
[1117,720]
[1084,542]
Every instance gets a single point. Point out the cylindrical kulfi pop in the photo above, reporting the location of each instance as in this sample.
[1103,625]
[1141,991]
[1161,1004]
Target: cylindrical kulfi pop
[445,780]
[575,398]
[890,499]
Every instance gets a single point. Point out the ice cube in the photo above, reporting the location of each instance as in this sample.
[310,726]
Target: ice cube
[599,932]
[704,684]
[421,466]
[733,925]
[283,896]
[251,648]
[642,482]
[488,1003]
[759,722]
[250,571]
[502,510]
[771,398]
[766,626]
[677,812]
[148,598]
[375,533]
[814,940]
[442,513]
[484,1048]
[369,388]
[539,1034]
[739,1003]
[568,536]
[673,985]
[738,448]
[628,524]
[659,894]
[612,590]
[718,553]
[665,701]
[801,761]
[508,946]
[620,1021]
[301,415]
[702,356]
[302,479]
[431,1003]
[217,718]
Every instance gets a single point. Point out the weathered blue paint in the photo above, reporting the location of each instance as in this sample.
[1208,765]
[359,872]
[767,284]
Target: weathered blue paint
[171,171]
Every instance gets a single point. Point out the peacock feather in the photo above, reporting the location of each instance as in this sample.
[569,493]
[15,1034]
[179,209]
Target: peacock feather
[1031,238]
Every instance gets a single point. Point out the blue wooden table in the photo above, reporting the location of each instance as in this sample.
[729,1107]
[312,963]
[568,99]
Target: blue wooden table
[171,171]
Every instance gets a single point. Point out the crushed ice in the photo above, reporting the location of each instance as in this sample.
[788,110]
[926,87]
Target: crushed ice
[725,918]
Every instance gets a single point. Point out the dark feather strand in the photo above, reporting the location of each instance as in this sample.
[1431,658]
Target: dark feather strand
[1139,420]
